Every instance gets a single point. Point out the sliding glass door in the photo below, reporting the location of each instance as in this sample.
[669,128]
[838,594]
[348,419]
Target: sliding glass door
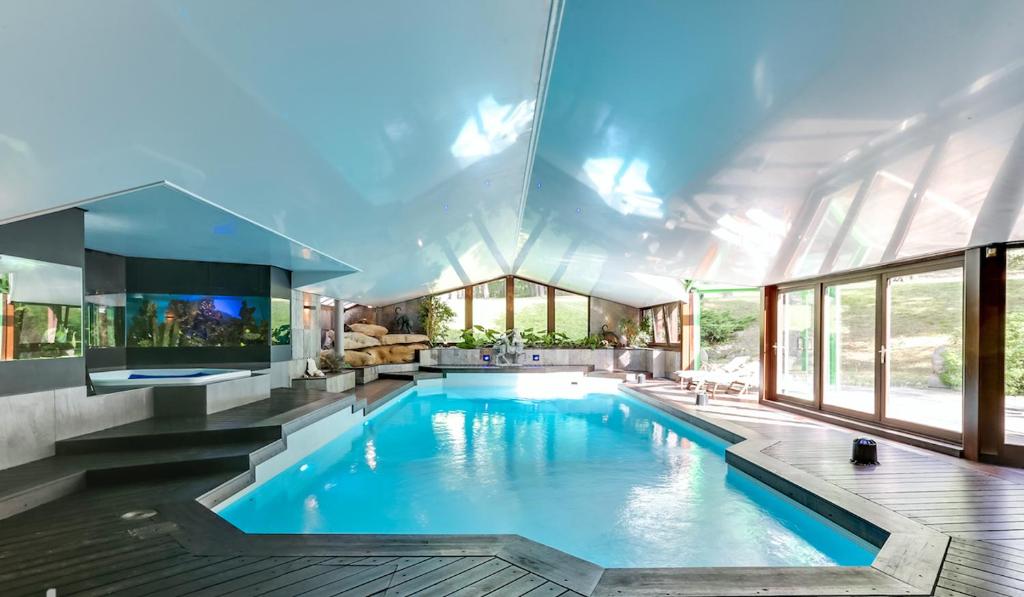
[794,344]
[885,347]
[849,350]
[924,350]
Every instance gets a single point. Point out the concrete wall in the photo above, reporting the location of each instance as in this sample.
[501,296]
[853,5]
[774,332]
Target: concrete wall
[30,424]
[360,314]
[305,331]
[386,316]
[607,313]
[662,363]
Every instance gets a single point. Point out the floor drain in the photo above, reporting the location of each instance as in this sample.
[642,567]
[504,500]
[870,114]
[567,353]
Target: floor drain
[138,515]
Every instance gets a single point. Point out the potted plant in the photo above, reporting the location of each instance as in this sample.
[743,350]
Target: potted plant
[435,316]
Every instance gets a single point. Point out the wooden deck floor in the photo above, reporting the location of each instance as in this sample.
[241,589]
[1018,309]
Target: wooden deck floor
[82,545]
[981,507]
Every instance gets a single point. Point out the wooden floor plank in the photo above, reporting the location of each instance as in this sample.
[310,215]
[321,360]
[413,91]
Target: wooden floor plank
[255,579]
[519,587]
[339,579]
[464,579]
[423,581]
[491,583]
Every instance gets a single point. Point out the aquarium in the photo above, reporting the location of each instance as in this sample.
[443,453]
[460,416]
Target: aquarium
[280,321]
[104,315]
[188,320]
[40,309]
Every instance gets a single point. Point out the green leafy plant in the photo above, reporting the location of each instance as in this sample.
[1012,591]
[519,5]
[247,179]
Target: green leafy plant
[646,331]
[282,334]
[592,341]
[1015,354]
[630,329]
[330,361]
[478,337]
[435,315]
[717,327]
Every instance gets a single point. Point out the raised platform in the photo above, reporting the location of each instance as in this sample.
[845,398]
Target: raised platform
[507,368]
[341,381]
[167,447]
[185,401]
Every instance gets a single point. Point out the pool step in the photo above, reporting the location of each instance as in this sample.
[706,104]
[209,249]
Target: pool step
[167,439]
[120,467]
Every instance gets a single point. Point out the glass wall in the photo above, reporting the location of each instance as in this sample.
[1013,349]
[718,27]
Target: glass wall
[572,312]
[531,306]
[456,301]
[848,355]
[489,305]
[815,246]
[924,348]
[729,327]
[105,320]
[170,320]
[794,344]
[40,309]
[280,321]
[1014,405]
[665,323]
[876,220]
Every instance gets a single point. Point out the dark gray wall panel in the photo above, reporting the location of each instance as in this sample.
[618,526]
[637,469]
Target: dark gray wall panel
[58,237]
[104,273]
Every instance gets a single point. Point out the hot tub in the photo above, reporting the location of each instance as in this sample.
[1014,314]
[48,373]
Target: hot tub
[133,378]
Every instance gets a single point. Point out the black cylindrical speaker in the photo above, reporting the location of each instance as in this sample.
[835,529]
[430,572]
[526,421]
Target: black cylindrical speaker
[865,451]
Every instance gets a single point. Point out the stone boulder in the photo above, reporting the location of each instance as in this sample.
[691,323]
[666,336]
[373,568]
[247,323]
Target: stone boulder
[377,331]
[403,339]
[357,340]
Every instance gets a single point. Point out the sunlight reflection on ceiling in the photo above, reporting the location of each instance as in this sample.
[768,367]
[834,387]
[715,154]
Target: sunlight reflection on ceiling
[494,128]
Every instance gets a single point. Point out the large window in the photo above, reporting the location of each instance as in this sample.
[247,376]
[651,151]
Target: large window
[887,346]
[1014,405]
[571,314]
[816,245]
[794,344]
[924,348]
[489,305]
[105,320]
[531,306]
[848,354]
[729,327]
[665,323]
[456,301]
[40,309]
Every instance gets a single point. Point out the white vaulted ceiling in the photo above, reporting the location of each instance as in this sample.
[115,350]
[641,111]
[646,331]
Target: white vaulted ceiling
[608,147]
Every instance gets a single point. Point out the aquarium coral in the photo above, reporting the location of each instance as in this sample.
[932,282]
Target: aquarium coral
[165,320]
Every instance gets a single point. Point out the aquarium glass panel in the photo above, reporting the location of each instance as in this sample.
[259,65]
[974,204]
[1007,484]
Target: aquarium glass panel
[40,309]
[280,321]
[105,320]
[175,320]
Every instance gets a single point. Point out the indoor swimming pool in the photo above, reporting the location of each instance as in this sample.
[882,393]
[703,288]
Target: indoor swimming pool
[566,461]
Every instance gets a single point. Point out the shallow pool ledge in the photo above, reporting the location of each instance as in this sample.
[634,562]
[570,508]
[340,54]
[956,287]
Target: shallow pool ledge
[908,562]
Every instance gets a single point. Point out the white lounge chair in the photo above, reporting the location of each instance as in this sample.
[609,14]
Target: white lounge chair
[697,380]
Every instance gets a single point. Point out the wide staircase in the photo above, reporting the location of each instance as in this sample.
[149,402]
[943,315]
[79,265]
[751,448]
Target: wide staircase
[234,440]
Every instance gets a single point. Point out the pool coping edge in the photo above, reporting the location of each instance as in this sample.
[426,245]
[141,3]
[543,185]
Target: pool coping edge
[908,561]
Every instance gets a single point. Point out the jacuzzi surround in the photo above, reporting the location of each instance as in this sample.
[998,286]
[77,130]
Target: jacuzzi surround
[138,378]
[908,562]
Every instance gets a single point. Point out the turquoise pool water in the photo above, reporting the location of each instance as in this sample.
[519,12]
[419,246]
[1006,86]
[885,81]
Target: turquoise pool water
[587,470]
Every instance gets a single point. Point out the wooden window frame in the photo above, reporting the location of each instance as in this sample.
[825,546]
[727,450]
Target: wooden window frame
[510,301]
[882,274]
